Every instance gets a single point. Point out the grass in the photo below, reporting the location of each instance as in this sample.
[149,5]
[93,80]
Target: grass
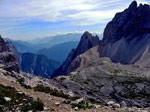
[21,82]
[34,105]
[16,99]
[86,82]
[62,78]
[84,105]
[54,92]
[117,71]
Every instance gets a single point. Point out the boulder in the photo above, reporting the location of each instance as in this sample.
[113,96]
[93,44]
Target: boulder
[7,99]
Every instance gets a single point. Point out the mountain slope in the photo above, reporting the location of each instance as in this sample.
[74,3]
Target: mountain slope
[39,65]
[58,52]
[127,36]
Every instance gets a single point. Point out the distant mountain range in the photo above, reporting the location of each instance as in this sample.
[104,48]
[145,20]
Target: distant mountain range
[39,65]
[54,40]
[59,52]
[33,46]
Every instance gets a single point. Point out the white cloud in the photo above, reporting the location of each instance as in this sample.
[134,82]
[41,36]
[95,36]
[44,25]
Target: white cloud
[77,14]
[87,11]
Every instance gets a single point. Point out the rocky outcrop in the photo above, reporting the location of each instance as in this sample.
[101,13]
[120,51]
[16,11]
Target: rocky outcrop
[87,41]
[127,36]
[8,59]
[130,23]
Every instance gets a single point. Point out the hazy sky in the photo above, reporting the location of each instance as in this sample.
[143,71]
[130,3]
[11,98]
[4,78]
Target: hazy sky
[29,19]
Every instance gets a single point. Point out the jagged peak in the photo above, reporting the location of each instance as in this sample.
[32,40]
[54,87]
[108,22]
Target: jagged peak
[1,39]
[86,35]
[133,5]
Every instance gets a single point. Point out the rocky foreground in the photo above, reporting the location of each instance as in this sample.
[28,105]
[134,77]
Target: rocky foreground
[48,102]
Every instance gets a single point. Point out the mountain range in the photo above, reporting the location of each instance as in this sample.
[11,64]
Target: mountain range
[33,46]
[59,52]
[111,74]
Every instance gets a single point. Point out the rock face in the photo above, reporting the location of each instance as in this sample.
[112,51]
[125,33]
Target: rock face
[8,59]
[127,36]
[87,41]
[39,65]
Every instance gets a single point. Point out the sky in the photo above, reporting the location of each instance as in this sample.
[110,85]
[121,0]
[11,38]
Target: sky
[31,19]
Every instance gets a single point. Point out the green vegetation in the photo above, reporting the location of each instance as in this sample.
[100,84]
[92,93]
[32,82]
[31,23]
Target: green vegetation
[117,71]
[17,100]
[86,82]
[62,78]
[54,92]
[34,105]
[83,105]
[72,77]
[21,82]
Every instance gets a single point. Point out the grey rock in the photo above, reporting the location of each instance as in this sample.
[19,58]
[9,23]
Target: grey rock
[123,104]
[7,57]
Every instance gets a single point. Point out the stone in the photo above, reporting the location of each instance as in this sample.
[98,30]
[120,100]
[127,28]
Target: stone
[7,99]
[71,94]
[57,103]
[80,100]
[144,111]
[123,104]
[110,103]
[116,105]
[30,111]
[76,108]
[97,106]
[66,101]
[20,104]
[20,92]
[45,109]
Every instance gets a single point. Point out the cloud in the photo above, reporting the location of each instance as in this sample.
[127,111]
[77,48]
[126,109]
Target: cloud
[17,16]
[18,11]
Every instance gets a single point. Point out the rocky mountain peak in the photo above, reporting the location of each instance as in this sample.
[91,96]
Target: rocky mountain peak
[132,22]
[3,46]
[87,41]
[8,59]
[133,5]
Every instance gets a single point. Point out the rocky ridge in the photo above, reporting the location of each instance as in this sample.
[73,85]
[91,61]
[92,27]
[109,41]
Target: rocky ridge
[87,41]
[126,37]
[8,59]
